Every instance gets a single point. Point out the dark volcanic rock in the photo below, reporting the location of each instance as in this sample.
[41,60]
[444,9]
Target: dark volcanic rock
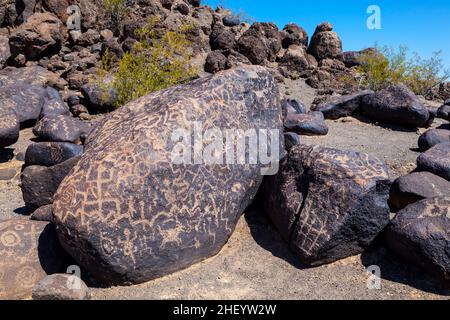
[48,154]
[39,184]
[30,250]
[54,107]
[97,98]
[397,105]
[294,62]
[44,213]
[42,34]
[291,140]
[5,52]
[154,214]
[444,112]
[420,234]
[415,187]
[433,137]
[9,128]
[231,21]
[61,287]
[325,43]
[222,39]
[292,34]
[24,99]
[295,107]
[328,204]
[309,124]
[342,106]
[215,62]
[436,160]
[262,41]
[60,129]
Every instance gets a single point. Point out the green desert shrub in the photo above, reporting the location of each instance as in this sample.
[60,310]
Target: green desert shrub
[153,64]
[385,66]
[116,10]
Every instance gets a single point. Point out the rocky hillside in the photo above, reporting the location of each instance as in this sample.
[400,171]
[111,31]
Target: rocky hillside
[105,196]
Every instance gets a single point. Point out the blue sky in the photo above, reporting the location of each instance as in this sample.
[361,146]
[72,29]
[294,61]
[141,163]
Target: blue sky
[423,26]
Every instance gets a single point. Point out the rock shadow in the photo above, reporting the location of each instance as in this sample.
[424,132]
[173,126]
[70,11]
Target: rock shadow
[397,270]
[265,235]
[6,154]
[393,127]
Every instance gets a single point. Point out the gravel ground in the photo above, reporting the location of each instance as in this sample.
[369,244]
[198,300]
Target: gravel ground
[256,263]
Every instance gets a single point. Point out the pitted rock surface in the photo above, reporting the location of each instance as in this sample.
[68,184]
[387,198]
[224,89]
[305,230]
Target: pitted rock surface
[420,233]
[328,204]
[433,137]
[30,250]
[128,214]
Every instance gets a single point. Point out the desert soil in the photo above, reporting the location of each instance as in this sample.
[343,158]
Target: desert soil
[256,263]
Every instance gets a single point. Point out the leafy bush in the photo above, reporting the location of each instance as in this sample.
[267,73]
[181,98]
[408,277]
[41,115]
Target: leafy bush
[153,64]
[116,10]
[385,66]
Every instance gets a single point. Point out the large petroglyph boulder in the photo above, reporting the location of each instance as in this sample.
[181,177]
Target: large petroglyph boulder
[129,213]
[328,204]
[30,250]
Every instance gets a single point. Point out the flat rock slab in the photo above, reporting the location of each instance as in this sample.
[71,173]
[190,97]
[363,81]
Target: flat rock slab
[328,204]
[128,213]
[436,160]
[420,233]
[30,250]
[417,186]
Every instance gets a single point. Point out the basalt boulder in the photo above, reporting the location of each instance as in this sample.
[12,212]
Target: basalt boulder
[60,128]
[9,128]
[417,186]
[444,112]
[48,154]
[436,160]
[433,137]
[343,106]
[40,35]
[30,250]
[25,99]
[5,52]
[326,203]
[134,208]
[396,104]
[308,124]
[420,234]
[325,43]
[39,183]
[292,34]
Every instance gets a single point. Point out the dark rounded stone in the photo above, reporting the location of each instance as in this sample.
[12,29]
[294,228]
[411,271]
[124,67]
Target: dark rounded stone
[222,39]
[444,112]
[291,140]
[295,107]
[44,213]
[420,234]
[292,34]
[309,124]
[397,105]
[436,160]
[60,128]
[433,137]
[9,128]
[48,154]
[415,187]
[73,100]
[39,184]
[231,21]
[215,62]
